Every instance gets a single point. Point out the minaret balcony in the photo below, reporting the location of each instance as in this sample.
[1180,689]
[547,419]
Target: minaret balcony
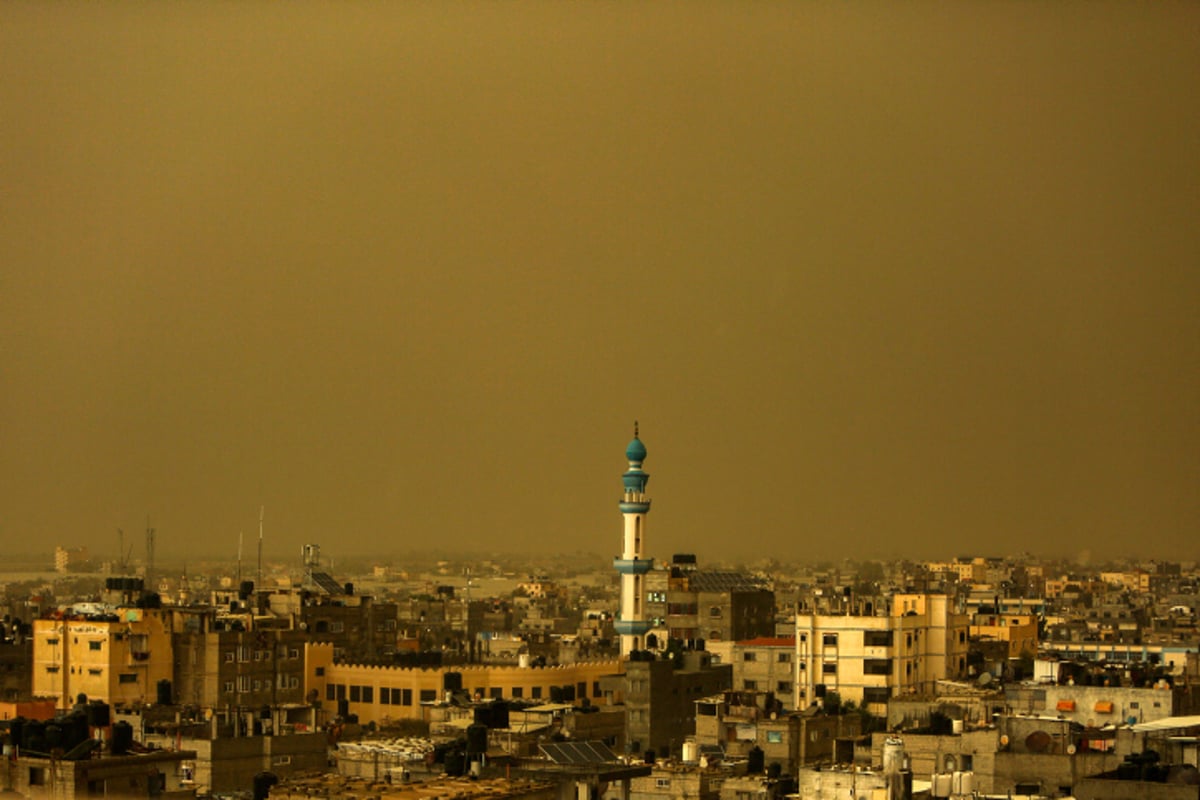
[633,566]
[631,627]
[635,503]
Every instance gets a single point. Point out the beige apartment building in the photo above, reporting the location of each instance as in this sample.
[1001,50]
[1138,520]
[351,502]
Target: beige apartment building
[376,693]
[868,659]
[1018,631]
[117,658]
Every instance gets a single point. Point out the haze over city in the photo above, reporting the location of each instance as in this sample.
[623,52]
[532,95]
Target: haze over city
[876,280]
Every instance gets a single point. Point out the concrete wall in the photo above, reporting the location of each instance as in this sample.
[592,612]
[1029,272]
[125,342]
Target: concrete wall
[1050,771]
[970,751]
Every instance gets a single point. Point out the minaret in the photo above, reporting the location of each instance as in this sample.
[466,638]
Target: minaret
[633,564]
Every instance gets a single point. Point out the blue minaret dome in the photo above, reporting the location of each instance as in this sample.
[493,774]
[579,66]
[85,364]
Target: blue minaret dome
[635,452]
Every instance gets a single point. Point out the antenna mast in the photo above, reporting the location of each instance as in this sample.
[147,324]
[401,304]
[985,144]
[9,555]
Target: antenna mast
[261,512]
[241,534]
[149,554]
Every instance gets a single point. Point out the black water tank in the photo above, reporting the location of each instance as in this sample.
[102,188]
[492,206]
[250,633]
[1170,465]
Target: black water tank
[15,730]
[349,589]
[245,589]
[122,738]
[33,735]
[456,763]
[500,714]
[54,736]
[263,782]
[477,739]
[650,757]
[75,728]
[98,714]
[164,692]
[754,761]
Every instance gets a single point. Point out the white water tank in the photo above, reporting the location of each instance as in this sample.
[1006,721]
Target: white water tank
[893,755]
[956,726]
[962,783]
[690,751]
[941,785]
[523,660]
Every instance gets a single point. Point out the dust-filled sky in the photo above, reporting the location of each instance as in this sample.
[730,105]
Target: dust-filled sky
[877,279]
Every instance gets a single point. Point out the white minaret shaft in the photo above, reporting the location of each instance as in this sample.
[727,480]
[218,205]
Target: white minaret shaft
[633,563]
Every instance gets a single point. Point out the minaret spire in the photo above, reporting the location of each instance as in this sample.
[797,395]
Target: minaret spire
[632,564]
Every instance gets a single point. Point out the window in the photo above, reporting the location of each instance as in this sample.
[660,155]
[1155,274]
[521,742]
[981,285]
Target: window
[537,693]
[428,696]
[406,697]
[877,666]
[52,668]
[715,611]
[784,687]
[368,694]
[229,657]
[341,691]
[329,692]
[355,694]
[228,687]
[875,694]
[258,686]
[94,644]
[518,692]
[496,693]
[829,668]
[337,627]
[52,642]
[267,685]
[774,737]
[95,671]
[596,689]
[877,638]
[784,658]
[37,776]
[748,656]
[829,639]
[243,683]
[127,677]
[662,783]
[294,653]
[750,686]
[320,672]
[243,652]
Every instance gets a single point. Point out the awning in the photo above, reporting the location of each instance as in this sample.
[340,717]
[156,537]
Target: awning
[1066,705]
[1104,707]
[1170,723]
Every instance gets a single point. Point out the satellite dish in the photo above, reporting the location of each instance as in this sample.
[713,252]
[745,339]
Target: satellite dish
[985,678]
[1004,740]
[1038,742]
[1070,749]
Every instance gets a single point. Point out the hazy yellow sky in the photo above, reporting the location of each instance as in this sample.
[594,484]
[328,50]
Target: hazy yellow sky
[877,279]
